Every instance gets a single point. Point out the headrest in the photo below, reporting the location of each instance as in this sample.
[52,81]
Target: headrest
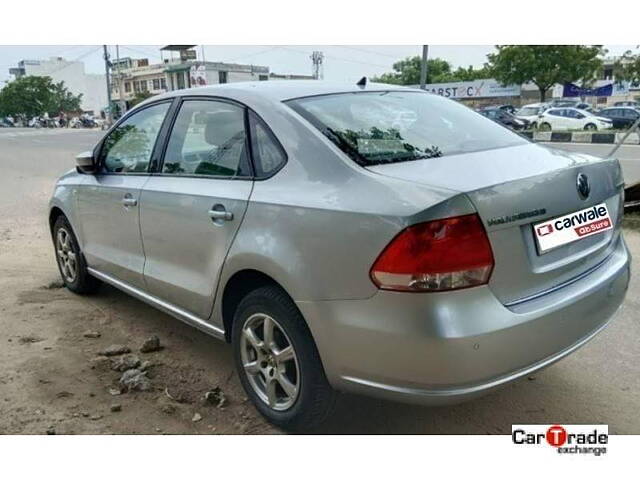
[222,126]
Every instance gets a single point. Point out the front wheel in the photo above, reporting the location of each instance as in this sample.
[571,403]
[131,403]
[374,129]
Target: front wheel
[70,259]
[590,127]
[278,362]
[545,127]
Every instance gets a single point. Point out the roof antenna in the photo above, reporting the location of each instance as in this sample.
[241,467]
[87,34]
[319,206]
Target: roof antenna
[362,82]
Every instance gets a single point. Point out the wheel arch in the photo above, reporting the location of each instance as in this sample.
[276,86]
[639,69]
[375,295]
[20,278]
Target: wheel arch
[236,288]
[54,213]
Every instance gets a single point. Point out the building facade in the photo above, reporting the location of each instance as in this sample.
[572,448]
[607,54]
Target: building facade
[91,86]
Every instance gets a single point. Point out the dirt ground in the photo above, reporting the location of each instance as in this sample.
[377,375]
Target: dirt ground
[52,379]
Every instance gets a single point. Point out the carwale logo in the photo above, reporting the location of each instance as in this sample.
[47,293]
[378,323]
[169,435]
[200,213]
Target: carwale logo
[564,439]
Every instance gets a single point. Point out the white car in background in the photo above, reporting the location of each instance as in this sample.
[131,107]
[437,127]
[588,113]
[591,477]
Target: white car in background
[571,119]
[531,112]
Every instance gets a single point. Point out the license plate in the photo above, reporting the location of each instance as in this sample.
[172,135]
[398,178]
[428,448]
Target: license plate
[571,227]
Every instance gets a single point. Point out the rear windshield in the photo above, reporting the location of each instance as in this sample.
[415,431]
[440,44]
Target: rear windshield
[375,128]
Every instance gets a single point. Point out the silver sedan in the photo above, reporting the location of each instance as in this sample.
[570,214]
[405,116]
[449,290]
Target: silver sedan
[363,238]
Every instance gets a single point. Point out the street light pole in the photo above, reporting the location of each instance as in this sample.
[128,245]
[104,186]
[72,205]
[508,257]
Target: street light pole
[106,71]
[423,67]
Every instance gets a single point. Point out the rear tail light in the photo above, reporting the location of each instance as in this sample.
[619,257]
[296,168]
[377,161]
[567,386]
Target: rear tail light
[434,256]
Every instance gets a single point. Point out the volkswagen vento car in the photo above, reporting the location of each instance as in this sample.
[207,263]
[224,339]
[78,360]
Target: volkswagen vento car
[361,238]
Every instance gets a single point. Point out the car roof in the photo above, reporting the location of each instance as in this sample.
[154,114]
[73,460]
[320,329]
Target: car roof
[281,90]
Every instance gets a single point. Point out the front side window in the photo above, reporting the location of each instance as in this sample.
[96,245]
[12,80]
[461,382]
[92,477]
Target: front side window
[395,126]
[208,138]
[129,146]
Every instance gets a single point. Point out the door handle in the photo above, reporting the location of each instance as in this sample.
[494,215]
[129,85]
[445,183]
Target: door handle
[129,201]
[218,212]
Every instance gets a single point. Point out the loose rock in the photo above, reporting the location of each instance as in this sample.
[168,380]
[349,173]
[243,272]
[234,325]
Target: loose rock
[135,379]
[125,362]
[196,417]
[146,365]
[115,391]
[95,417]
[216,397]
[168,409]
[114,350]
[51,431]
[116,407]
[151,344]
[91,334]
[100,363]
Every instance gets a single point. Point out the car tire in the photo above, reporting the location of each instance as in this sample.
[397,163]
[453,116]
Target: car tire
[533,126]
[264,377]
[590,127]
[71,262]
[545,127]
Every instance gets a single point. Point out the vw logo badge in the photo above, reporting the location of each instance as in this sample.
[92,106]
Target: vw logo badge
[582,184]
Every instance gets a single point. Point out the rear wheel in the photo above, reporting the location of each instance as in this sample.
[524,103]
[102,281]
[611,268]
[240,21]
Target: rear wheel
[277,361]
[71,262]
[534,125]
[590,126]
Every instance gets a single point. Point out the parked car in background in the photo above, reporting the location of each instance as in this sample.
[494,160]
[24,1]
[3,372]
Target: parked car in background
[572,119]
[531,112]
[508,108]
[474,257]
[505,118]
[628,103]
[7,122]
[622,117]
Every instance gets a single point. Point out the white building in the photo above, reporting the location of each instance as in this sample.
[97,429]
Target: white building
[91,86]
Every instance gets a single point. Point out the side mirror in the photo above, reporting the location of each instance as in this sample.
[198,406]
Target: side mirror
[85,163]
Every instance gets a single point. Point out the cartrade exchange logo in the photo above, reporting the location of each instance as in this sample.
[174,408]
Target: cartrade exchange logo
[576,439]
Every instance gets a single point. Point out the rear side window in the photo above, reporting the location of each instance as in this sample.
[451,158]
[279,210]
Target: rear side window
[129,146]
[268,155]
[208,138]
[394,126]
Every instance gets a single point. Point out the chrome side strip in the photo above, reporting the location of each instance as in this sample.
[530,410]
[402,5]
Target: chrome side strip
[559,286]
[172,310]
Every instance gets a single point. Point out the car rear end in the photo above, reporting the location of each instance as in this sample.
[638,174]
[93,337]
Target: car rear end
[531,268]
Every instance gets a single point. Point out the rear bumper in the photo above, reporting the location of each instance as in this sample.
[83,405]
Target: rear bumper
[444,348]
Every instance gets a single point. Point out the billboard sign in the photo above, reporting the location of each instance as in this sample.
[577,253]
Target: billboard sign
[198,76]
[487,88]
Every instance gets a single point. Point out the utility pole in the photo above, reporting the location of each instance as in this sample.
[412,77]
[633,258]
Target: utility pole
[316,59]
[106,71]
[121,103]
[423,67]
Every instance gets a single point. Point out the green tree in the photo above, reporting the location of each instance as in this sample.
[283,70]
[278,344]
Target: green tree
[469,74]
[545,65]
[627,68]
[31,96]
[65,101]
[407,71]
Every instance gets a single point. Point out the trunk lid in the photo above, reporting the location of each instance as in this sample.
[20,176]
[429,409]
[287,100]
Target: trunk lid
[514,188]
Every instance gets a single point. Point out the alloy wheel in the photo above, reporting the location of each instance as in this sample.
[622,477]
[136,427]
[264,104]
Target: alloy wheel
[270,361]
[67,258]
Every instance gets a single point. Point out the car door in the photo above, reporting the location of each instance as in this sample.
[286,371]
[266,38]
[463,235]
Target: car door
[108,202]
[556,119]
[193,206]
[630,116]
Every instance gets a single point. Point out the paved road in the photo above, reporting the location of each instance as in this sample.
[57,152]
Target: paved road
[47,377]
[629,156]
